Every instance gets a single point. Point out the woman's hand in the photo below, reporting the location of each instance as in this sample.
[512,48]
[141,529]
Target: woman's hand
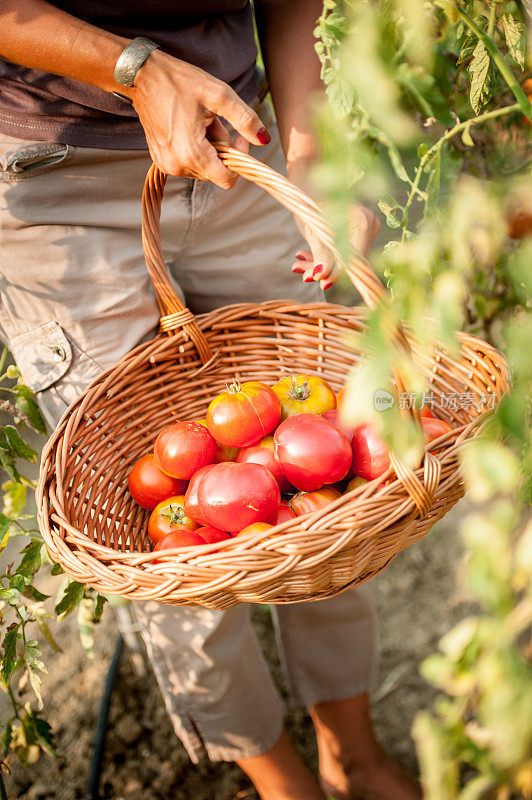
[179,107]
[318,263]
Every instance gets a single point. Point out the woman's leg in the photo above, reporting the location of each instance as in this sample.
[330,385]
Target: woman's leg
[352,763]
[280,775]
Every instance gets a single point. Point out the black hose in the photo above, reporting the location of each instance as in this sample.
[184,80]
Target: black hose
[93,789]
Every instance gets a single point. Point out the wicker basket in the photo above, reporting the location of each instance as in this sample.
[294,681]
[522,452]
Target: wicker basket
[98,534]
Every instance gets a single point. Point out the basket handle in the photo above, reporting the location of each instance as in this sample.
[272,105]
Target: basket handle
[174,315]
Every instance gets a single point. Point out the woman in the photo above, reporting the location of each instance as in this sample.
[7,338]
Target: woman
[75,298]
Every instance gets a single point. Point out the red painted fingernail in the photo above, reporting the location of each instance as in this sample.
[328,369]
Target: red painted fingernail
[301,256]
[327,285]
[298,270]
[263,136]
[317,269]
[309,279]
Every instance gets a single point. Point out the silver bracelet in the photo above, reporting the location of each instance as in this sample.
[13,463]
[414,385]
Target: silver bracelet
[131,60]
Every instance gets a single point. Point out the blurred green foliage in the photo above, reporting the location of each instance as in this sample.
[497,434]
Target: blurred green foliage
[426,120]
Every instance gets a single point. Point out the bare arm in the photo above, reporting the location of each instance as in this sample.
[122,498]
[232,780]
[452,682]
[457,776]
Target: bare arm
[178,104]
[286,31]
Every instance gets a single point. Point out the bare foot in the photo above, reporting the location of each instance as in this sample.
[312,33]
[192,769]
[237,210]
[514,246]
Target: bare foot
[383,779]
[353,765]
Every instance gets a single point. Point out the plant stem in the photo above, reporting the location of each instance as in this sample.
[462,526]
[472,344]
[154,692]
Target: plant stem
[3,359]
[3,793]
[498,112]
[524,103]
[493,19]
[14,703]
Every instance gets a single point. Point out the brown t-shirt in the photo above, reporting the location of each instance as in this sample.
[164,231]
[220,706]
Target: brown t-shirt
[215,35]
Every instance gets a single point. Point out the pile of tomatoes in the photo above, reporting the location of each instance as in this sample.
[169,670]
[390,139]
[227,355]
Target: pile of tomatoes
[263,455]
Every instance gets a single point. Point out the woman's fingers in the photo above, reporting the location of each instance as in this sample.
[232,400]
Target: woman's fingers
[364,227]
[222,100]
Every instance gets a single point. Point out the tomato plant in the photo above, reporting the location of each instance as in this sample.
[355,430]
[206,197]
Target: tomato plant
[262,453]
[232,496]
[243,414]
[311,451]
[167,517]
[183,448]
[304,394]
[149,485]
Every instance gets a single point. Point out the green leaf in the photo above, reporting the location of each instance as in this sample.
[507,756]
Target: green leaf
[392,221]
[7,735]
[387,203]
[47,633]
[18,445]
[515,35]
[44,735]
[9,657]
[32,559]
[422,150]
[433,185]
[98,608]
[34,594]
[466,137]
[29,407]
[7,462]
[479,72]
[73,594]
[14,498]
[57,569]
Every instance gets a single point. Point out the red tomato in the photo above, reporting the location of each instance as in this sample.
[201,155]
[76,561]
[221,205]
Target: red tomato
[191,497]
[223,453]
[244,414]
[168,517]
[304,394]
[183,448]
[212,535]
[149,485]
[355,483]
[426,413]
[311,451]
[182,538]
[334,416]
[254,528]
[262,453]
[371,457]
[285,513]
[434,428]
[304,502]
[232,496]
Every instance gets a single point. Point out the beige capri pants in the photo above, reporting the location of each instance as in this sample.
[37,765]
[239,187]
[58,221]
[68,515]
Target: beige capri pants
[75,297]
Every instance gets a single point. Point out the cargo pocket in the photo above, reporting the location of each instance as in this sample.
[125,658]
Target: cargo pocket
[33,158]
[53,366]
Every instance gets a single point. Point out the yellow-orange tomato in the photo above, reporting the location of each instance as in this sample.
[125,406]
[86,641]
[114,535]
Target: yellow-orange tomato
[169,517]
[255,527]
[304,394]
[355,483]
[243,414]
[223,453]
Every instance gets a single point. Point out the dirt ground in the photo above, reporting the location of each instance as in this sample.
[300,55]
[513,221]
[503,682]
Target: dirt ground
[417,601]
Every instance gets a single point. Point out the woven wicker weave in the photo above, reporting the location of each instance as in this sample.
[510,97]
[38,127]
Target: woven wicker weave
[95,530]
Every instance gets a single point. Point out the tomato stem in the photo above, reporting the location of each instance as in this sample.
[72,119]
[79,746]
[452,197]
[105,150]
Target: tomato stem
[299,391]
[234,386]
[175,516]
